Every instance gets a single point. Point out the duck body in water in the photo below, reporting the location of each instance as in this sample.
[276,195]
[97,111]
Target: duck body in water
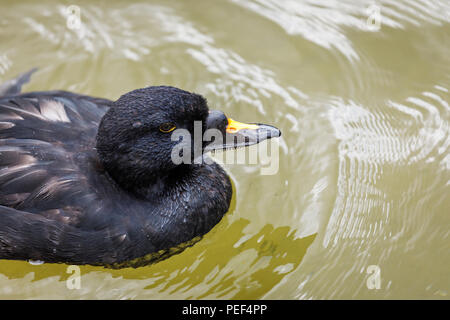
[85,180]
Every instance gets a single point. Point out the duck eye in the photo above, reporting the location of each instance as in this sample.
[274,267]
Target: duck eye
[167,127]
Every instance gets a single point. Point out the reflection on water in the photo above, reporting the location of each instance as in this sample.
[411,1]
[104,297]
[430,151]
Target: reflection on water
[235,266]
[364,156]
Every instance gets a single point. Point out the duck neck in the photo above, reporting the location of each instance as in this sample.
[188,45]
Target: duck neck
[148,184]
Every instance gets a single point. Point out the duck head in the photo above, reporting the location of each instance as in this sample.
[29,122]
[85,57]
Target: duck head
[135,139]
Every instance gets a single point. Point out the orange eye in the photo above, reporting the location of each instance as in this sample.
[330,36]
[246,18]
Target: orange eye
[167,127]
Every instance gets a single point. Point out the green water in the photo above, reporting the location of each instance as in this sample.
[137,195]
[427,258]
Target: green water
[364,159]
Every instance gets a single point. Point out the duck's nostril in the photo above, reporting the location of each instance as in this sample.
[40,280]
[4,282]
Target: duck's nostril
[216,120]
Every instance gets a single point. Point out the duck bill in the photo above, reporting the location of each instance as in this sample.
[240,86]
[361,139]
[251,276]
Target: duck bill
[239,134]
